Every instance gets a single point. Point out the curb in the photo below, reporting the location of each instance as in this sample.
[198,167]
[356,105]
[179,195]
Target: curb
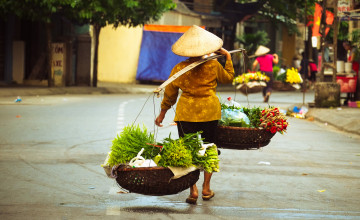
[344,119]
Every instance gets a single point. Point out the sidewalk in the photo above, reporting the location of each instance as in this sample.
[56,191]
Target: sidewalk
[344,118]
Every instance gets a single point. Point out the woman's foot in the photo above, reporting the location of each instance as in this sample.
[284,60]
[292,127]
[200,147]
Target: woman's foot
[193,195]
[267,96]
[208,196]
[191,200]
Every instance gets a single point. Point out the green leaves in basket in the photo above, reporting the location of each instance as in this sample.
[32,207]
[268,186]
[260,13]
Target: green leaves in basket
[210,161]
[128,144]
[254,115]
[175,153]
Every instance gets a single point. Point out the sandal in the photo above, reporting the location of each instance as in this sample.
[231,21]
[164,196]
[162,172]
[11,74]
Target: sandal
[208,197]
[191,200]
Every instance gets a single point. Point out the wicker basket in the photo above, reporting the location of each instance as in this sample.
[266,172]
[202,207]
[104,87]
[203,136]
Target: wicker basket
[251,87]
[281,86]
[155,181]
[242,138]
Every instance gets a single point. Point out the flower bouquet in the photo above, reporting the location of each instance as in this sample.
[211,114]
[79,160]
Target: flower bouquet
[273,120]
[288,80]
[251,82]
[246,128]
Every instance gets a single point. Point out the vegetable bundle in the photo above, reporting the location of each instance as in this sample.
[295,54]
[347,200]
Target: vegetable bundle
[270,118]
[209,161]
[182,152]
[129,142]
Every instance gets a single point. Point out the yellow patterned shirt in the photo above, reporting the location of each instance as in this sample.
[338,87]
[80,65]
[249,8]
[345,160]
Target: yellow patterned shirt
[198,101]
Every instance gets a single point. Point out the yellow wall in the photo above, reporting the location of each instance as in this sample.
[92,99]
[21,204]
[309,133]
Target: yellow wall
[288,47]
[119,51]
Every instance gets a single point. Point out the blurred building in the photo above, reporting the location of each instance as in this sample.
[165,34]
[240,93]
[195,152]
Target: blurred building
[22,43]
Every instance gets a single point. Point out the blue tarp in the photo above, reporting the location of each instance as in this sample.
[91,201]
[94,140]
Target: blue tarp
[156,59]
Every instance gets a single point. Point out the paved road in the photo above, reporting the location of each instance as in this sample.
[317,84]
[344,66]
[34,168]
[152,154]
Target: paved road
[51,148]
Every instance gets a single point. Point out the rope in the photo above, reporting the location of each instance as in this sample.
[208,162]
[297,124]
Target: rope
[175,76]
[140,111]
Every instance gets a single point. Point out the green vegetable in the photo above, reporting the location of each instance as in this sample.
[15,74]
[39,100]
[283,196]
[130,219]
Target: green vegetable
[128,144]
[210,161]
[174,153]
[254,114]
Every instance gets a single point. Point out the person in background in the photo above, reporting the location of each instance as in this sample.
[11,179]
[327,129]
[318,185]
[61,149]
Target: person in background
[304,68]
[296,62]
[265,61]
[198,108]
[351,56]
[312,73]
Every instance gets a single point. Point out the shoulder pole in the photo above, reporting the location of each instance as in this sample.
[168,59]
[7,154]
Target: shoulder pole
[189,67]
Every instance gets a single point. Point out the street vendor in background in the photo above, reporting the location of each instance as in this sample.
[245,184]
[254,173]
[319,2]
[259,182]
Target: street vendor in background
[265,61]
[198,108]
[312,74]
[304,69]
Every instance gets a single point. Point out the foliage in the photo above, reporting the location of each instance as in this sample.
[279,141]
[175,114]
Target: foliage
[251,41]
[210,161]
[174,153]
[285,12]
[129,143]
[34,10]
[281,77]
[118,12]
[276,70]
[254,116]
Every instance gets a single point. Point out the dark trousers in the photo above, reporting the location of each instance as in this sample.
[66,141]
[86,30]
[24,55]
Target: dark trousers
[208,129]
[269,85]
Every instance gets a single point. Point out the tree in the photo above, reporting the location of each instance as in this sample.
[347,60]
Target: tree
[285,12]
[36,10]
[100,13]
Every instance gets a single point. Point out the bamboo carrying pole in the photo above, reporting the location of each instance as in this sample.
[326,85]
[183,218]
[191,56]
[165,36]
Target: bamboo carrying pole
[189,67]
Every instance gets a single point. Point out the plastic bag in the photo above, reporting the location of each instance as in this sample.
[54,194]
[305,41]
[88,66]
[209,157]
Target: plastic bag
[139,161]
[234,117]
[229,102]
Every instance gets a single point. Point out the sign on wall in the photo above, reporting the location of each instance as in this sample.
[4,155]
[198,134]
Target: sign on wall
[58,64]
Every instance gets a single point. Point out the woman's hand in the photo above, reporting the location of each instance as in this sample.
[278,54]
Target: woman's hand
[224,52]
[159,119]
[276,58]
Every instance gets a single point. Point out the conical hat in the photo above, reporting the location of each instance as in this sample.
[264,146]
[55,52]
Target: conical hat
[261,51]
[196,42]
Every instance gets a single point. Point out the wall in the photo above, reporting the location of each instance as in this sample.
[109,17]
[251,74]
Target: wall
[288,47]
[119,51]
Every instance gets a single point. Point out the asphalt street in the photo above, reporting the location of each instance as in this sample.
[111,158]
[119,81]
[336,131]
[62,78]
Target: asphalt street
[51,148]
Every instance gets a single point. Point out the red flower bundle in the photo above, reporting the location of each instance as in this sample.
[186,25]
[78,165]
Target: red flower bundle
[273,120]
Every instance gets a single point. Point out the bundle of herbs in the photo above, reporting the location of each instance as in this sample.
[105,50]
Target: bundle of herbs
[174,153]
[184,152]
[209,161]
[129,142]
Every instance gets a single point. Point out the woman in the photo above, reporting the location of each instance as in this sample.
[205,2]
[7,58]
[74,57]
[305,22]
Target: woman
[312,73]
[265,61]
[198,108]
